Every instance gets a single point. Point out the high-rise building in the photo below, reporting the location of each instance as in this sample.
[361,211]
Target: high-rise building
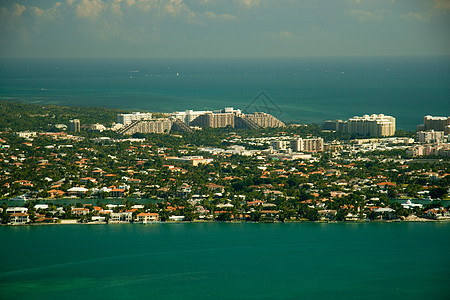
[265,120]
[189,115]
[430,136]
[162,125]
[74,125]
[337,125]
[307,145]
[435,123]
[279,145]
[373,125]
[212,120]
[126,119]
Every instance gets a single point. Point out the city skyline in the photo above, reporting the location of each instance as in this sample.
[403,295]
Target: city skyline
[212,28]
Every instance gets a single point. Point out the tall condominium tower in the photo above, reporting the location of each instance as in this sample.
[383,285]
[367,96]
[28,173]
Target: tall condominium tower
[74,125]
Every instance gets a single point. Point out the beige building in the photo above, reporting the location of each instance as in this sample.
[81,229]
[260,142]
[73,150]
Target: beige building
[307,145]
[373,125]
[435,123]
[265,120]
[162,125]
[213,120]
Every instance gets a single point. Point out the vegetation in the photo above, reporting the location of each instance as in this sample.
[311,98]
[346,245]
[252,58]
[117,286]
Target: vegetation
[330,186]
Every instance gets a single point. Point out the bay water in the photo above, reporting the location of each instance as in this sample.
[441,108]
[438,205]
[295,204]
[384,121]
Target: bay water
[226,261]
[301,90]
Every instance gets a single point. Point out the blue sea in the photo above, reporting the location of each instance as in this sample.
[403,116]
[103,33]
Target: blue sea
[226,261]
[300,90]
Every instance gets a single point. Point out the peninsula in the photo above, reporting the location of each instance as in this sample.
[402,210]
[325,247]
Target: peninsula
[75,164]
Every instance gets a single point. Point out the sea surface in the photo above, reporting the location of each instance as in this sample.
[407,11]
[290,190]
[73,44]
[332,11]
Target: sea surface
[226,261]
[301,90]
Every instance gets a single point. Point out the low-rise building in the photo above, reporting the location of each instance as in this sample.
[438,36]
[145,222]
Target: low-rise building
[147,217]
[19,218]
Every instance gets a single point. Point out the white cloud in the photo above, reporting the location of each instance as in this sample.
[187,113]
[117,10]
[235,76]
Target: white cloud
[19,9]
[225,17]
[251,3]
[115,8]
[47,14]
[364,16]
[90,9]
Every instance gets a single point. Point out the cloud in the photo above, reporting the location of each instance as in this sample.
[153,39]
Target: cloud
[115,8]
[442,4]
[90,9]
[47,14]
[251,3]
[414,16]
[19,9]
[365,16]
[287,35]
[214,16]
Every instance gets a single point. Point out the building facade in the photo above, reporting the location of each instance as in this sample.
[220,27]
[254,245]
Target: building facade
[373,125]
[162,125]
[430,136]
[214,120]
[74,125]
[307,145]
[126,119]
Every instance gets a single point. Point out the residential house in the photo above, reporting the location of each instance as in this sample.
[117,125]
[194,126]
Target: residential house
[121,217]
[19,218]
[147,217]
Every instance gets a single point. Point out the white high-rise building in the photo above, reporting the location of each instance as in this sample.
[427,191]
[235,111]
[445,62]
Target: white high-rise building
[189,115]
[126,119]
[373,125]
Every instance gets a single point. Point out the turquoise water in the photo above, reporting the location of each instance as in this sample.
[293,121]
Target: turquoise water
[304,90]
[226,261]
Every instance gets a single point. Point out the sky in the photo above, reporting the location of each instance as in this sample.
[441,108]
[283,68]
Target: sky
[223,28]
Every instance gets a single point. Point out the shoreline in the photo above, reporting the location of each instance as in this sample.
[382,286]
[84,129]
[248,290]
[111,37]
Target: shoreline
[410,220]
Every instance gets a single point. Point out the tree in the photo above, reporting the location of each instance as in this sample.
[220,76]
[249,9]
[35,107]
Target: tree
[438,193]
[224,216]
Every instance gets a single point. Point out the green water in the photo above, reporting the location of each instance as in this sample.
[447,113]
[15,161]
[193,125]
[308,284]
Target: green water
[226,261]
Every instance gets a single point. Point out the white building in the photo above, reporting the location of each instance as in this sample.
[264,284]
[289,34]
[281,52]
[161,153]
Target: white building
[373,125]
[126,119]
[430,136]
[189,115]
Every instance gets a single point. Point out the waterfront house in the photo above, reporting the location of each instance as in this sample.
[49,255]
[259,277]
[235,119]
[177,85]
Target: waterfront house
[438,213]
[121,217]
[80,211]
[19,218]
[118,192]
[147,217]
[77,191]
[327,214]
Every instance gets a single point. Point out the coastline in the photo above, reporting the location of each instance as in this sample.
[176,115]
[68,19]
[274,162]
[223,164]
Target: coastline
[407,220]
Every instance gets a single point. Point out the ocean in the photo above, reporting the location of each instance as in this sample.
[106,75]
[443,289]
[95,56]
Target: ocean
[226,261]
[300,90]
